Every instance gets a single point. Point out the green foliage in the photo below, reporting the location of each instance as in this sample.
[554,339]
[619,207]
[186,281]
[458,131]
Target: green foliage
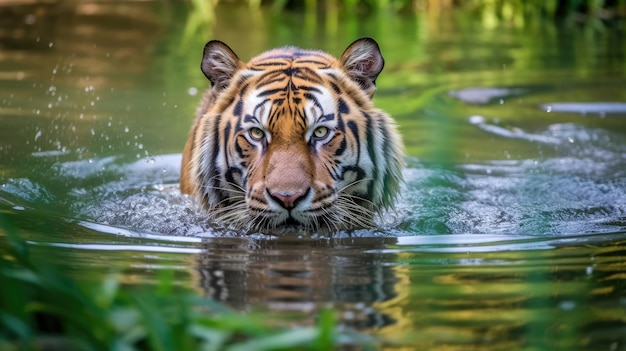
[43,309]
[202,16]
[549,8]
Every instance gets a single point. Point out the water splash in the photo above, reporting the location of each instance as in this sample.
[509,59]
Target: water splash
[581,189]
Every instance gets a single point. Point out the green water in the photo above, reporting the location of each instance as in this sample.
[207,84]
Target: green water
[511,231]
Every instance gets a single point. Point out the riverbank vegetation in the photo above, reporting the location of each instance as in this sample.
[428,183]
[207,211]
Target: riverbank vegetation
[516,13]
[557,9]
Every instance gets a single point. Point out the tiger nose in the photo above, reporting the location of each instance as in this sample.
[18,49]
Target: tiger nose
[288,200]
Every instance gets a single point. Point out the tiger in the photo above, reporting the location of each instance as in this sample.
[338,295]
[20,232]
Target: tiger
[291,141]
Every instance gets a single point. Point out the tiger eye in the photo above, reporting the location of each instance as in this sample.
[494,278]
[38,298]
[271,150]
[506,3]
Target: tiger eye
[256,133]
[321,132]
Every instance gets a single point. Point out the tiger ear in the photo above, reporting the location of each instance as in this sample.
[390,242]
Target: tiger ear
[219,63]
[363,62]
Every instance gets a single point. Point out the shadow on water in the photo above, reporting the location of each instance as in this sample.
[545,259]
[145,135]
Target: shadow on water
[511,229]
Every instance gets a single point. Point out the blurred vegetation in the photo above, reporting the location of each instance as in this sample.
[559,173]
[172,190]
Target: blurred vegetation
[42,309]
[548,8]
[516,12]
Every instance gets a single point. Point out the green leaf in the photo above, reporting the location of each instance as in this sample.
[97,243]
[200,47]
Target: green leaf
[107,292]
[286,340]
[326,325]
[16,326]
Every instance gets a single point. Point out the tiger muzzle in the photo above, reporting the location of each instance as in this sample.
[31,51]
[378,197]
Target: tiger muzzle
[288,200]
[288,177]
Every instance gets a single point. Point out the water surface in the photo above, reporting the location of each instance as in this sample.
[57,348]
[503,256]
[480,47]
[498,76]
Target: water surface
[511,229]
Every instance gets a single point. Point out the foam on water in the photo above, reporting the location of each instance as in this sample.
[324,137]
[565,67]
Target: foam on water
[581,190]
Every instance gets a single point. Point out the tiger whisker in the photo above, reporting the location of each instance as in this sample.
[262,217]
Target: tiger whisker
[356,213]
[353,183]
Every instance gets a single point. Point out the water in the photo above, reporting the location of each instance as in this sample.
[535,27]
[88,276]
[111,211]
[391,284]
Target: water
[511,230]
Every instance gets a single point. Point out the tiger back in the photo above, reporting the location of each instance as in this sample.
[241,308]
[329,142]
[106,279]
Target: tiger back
[291,140]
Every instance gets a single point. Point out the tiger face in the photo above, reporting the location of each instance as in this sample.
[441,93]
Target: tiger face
[291,140]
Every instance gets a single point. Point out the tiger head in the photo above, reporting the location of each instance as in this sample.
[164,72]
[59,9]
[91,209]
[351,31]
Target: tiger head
[291,139]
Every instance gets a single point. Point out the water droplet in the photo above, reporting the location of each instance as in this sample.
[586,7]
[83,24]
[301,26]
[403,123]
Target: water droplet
[567,305]
[38,134]
[126,130]
[476,119]
[501,101]
[50,44]
[30,19]
[589,270]
[548,108]
[193,91]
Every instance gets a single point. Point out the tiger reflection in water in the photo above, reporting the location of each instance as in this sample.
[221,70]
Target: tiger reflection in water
[302,276]
[291,140]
